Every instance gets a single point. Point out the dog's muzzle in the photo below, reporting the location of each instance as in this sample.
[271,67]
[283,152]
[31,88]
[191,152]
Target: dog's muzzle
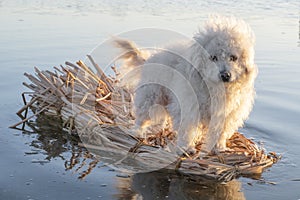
[225,76]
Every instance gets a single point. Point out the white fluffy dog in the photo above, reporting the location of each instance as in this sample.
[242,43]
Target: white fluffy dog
[205,85]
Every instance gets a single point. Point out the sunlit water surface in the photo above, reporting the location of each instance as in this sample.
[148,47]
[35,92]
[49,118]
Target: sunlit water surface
[47,33]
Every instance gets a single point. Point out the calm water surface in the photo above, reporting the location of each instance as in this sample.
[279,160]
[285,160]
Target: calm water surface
[39,165]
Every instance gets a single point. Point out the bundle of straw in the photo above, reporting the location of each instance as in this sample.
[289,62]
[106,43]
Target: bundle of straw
[98,109]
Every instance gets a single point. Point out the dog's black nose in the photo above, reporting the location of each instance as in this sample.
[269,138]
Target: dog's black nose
[225,76]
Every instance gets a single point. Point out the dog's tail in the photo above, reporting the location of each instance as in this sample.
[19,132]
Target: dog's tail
[130,53]
[131,57]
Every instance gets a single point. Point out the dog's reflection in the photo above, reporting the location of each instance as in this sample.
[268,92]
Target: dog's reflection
[161,185]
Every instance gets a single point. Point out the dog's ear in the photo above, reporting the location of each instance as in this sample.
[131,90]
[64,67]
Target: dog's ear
[251,71]
[248,60]
[247,69]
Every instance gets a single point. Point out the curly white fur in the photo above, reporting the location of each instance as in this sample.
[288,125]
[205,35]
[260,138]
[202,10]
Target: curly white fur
[206,86]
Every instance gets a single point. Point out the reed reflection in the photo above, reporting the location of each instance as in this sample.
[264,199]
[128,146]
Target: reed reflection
[53,141]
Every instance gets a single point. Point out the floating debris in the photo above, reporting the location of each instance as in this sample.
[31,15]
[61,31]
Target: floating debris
[31,152]
[39,161]
[123,175]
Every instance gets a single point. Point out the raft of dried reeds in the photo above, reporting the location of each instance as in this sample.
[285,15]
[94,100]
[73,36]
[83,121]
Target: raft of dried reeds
[95,106]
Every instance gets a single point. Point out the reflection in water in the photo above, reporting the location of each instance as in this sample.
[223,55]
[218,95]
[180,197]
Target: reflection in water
[162,185]
[54,142]
[49,136]
[57,143]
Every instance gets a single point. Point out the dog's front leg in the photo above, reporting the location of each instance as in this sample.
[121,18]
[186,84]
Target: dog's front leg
[186,123]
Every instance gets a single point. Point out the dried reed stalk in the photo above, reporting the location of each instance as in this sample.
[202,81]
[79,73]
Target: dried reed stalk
[99,111]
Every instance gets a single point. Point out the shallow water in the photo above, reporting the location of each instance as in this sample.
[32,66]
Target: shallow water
[47,33]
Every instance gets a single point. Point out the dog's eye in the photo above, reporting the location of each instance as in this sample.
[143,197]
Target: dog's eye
[233,58]
[214,58]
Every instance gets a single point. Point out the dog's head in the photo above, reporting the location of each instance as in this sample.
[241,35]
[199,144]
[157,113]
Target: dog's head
[230,45]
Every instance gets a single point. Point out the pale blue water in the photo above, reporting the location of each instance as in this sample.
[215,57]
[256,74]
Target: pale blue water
[47,33]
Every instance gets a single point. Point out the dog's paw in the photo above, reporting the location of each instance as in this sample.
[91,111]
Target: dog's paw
[138,131]
[217,151]
[186,152]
